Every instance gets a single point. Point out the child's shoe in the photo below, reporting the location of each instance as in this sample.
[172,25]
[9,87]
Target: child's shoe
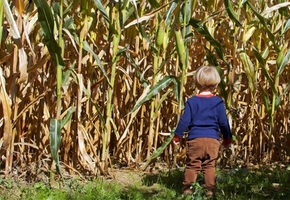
[187,190]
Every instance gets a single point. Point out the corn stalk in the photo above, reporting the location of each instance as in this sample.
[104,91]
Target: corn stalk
[55,49]
[116,14]
[282,58]
[19,66]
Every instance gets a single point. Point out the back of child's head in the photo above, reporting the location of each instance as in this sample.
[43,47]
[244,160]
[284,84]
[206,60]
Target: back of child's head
[207,78]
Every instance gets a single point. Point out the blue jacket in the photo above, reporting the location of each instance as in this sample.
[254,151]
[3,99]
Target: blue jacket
[204,116]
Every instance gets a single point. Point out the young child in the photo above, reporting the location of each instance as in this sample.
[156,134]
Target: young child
[205,118]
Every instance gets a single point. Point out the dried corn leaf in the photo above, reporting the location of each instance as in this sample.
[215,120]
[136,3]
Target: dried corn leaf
[16,35]
[6,106]
[19,5]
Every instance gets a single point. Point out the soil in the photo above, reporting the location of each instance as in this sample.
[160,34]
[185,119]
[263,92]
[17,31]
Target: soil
[127,177]
[132,176]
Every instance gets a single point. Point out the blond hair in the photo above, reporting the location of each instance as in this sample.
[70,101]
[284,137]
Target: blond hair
[207,78]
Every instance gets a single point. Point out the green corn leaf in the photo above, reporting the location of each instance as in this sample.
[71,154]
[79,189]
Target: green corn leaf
[68,116]
[154,3]
[170,12]
[102,10]
[210,57]
[286,26]
[281,54]
[160,103]
[176,88]
[125,3]
[266,100]
[264,22]
[127,13]
[159,150]
[46,21]
[138,70]
[279,98]
[157,88]
[222,85]
[87,47]
[70,73]
[55,139]
[125,6]
[265,69]
[45,18]
[70,6]
[186,12]
[231,12]
[100,114]
[120,51]
[202,29]
[55,7]
[145,36]
[69,24]
[249,33]
[283,62]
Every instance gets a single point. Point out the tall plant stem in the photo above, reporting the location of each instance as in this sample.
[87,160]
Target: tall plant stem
[107,131]
[10,150]
[59,67]
[83,34]
[152,111]
[272,118]
[59,83]
[183,54]
[181,61]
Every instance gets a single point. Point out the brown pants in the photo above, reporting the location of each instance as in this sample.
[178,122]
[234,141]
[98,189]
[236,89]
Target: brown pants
[201,157]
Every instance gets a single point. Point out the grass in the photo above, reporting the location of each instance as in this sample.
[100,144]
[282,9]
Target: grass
[237,183]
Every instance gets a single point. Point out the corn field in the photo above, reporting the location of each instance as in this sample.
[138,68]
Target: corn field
[88,85]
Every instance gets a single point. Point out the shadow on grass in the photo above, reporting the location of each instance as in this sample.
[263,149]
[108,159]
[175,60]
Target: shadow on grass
[263,183]
[171,179]
[237,183]
[162,185]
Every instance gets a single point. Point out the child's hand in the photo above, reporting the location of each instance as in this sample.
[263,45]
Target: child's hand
[226,143]
[175,143]
[176,140]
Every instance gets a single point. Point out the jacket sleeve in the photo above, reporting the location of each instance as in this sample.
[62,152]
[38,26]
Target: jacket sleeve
[184,121]
[224,123]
